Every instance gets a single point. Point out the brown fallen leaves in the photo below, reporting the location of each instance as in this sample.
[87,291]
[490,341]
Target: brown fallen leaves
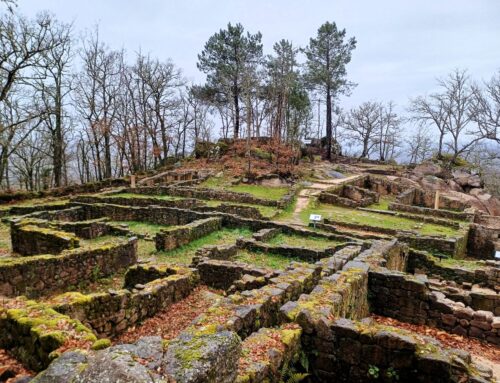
[473,346]
[170,322]
[10,366]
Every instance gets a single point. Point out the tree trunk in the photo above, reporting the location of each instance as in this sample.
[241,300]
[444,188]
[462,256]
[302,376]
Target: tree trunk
[236,100]
[328,123]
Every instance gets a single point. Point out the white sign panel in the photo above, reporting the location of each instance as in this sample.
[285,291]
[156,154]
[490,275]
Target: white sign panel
[315,217]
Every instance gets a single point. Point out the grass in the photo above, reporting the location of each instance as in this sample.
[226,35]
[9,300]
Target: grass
[342,214]
[383,203]
[264,260]
[143,228]
[259,191]
[184,254]
[5,244]
[314,243]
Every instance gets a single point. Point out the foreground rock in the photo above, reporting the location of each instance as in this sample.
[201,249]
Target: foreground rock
[132,363]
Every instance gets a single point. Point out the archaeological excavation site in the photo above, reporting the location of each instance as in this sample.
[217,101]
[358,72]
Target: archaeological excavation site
[194,276]
[226,191]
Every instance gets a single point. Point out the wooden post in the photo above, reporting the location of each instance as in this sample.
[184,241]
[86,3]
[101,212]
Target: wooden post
[436,200]
[132,181]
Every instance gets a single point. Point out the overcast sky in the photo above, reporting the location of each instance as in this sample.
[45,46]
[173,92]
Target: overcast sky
[403,45]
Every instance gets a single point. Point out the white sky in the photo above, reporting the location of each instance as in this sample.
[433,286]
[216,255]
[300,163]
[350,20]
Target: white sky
[403,45]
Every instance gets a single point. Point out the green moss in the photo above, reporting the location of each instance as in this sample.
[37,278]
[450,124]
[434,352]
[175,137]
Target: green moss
[101,344]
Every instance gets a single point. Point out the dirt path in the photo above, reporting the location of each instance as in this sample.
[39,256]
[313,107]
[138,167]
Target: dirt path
[313,190]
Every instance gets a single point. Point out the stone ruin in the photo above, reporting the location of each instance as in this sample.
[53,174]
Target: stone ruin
[310,317]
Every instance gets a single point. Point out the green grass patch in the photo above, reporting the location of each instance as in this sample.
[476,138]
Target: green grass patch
[143,228]
[273,261]
[184,254]
[342,214]
[383,203]
[314,243]
[5,244]
[259,191]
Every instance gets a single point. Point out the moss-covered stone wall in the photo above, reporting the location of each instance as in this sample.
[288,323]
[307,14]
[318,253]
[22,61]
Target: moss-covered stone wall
[42,274]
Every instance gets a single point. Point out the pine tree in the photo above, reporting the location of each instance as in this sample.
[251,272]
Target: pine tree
[327,57]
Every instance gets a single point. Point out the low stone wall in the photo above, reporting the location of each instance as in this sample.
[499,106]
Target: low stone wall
[42,274]
[222,252]
[420,197]
[110,313]
[33,332]
[241,210]
[301,253]
[349,196]
[69,214]
[455,247]
[265,353]
[265,235]
[171,238]
[477,298]
[30,239]
[366,352]
[221,274]
[409,299]
[448,214]
[204,193]
[484,274]
[188,203]
[482,241]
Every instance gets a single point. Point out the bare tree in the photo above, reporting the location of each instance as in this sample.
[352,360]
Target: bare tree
[53,85]
[420,145]
[362,124]
[485,109]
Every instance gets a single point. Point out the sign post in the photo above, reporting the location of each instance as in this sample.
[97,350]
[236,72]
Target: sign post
[315,218]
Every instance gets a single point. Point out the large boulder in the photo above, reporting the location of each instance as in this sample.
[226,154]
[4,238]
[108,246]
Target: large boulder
[433,183]
[466,179]
[126,363]
[428,169]
[204,358]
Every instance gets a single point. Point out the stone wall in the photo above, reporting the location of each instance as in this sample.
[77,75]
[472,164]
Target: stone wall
[29,239]
[420,197]
[448,214]
[173,237]
[485,274]
[301,253]
[42,274]
[359,352]
[349,196]
[482,242]
[110,313]
[187,203]
[204,193]
[33,332]
[408,298]
[222,274]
